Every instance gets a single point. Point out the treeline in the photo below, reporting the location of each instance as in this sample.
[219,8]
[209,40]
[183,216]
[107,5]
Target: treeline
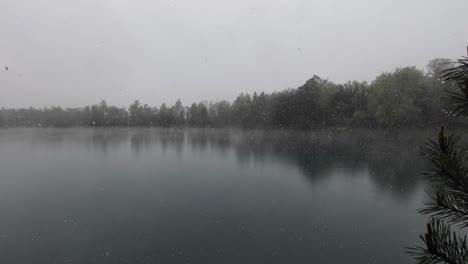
[406,97]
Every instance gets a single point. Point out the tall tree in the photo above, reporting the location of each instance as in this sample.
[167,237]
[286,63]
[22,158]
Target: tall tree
[179,113]
[193,115]
[307,108]
[202,111]
[135,113]
[163,116]
[392,98]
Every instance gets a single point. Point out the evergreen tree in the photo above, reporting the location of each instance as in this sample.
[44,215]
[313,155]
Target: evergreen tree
[193,115]
[448,172]
[203,119]
[179,113]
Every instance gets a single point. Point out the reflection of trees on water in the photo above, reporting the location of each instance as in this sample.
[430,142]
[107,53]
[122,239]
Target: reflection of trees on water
[199,139]
[392,159]
[145,138]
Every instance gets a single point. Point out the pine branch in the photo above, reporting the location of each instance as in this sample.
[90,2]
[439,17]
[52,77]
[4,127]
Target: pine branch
[449,174]
[448,206]
[442,246]
[457,103]
[458,76]
[447,165]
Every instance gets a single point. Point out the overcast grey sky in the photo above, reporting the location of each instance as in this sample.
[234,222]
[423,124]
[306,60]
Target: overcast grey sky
[75,53]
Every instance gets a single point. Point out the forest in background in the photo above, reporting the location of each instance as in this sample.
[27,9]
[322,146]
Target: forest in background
[407,97]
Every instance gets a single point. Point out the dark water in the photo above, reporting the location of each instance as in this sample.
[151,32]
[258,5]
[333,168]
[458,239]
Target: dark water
[208,196]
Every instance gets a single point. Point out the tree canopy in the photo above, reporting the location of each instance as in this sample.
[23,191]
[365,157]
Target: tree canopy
[405,97]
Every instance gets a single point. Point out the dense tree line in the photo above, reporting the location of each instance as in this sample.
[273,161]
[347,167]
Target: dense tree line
[406,97]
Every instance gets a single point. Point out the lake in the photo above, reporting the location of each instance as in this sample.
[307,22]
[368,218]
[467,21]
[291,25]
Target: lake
[142,195]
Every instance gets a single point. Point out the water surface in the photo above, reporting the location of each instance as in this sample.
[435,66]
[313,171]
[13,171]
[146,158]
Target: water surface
[208,196]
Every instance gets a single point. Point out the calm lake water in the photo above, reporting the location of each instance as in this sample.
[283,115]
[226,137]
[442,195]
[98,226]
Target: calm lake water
[209,196]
